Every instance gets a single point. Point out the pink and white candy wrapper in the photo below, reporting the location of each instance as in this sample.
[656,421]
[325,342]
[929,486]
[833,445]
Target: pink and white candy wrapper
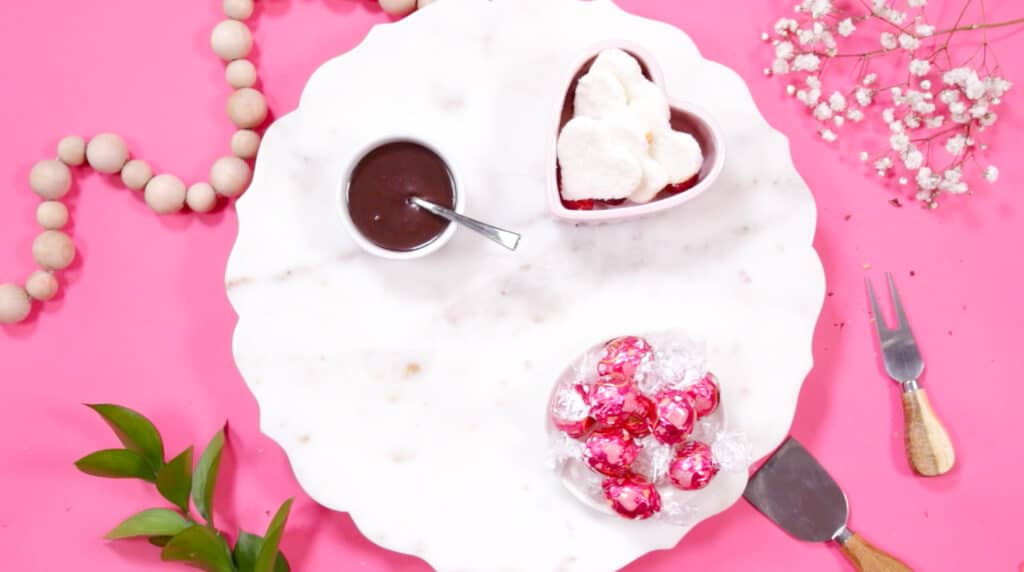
[611,452]
[693,466]
[637,427]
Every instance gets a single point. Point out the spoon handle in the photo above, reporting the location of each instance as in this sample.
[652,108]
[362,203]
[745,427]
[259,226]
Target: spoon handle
[506,238]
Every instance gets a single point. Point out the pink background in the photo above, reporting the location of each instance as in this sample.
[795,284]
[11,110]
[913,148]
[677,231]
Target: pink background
[143,320]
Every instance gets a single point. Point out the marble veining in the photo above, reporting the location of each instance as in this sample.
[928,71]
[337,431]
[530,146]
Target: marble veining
[412,394]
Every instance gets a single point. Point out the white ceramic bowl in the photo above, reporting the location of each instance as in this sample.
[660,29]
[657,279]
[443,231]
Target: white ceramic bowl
[364,243]
[685,117]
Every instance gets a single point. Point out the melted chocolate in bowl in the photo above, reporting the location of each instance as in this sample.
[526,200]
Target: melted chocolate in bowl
[379,190]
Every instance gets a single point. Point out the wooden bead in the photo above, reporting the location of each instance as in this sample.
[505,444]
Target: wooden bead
[398,7]
[52,215]
[229,176]
[107,153]
[201,197]
[71,150]
[165,194]
[136,174]
[240,73]
[41,285]
[14,304]
[53,250]
[231,40]
[247,108]
[238,9]
[50,179]
[245,143]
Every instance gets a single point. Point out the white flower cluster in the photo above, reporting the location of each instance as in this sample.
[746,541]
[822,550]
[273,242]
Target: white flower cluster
[933,116]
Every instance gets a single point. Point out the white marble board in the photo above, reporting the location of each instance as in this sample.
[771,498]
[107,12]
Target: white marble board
[412,394]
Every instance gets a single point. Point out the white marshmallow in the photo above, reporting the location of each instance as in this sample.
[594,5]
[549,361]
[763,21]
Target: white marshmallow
[649,102]
[593,166]
[655,180]
[599,93]
[679,153]
[624,66]
[629,131]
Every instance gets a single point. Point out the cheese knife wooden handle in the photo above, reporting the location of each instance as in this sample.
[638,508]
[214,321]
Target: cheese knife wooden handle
[866,557]
[929,448]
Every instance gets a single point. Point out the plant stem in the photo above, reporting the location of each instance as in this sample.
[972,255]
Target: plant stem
[953,30]
[972,27]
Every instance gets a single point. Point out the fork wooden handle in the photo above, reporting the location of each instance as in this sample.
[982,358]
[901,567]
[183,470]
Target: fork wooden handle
[928,446]
[865,557]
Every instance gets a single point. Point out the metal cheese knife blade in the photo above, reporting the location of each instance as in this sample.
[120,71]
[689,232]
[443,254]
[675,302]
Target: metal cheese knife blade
[796,493]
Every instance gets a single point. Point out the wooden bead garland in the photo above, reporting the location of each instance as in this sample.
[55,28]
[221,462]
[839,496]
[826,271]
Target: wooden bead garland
[108,153]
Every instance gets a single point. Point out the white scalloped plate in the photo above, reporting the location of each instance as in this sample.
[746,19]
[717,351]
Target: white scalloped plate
[412,394]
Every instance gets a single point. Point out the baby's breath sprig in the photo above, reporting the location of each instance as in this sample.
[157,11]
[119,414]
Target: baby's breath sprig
[935,100]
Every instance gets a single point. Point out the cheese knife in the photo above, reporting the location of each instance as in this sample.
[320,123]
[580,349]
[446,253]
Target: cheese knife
[795,492]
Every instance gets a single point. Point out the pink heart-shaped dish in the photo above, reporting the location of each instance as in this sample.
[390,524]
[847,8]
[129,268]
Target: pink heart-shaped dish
[685,117]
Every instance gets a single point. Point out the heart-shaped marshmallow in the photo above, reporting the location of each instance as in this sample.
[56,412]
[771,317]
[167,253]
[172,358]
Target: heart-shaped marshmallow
[628,129]
[679,153]
[598,93]
[621,64]
[649,102]
[593,165]
[655,180]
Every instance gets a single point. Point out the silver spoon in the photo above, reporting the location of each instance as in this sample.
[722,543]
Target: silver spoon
[506,238]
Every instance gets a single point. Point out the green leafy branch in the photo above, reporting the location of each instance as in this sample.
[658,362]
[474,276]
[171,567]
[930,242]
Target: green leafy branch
[182,537]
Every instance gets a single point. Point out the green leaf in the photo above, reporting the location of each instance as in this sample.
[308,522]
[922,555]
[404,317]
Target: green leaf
[204,478]
[201,547]
[152,522]
[267,558]
[247,550]
[174,480]
[160,541]
[135,431]
[116,464]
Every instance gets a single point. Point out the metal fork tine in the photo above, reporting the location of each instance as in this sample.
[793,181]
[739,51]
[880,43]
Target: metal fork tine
[876,311]
[900,314]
